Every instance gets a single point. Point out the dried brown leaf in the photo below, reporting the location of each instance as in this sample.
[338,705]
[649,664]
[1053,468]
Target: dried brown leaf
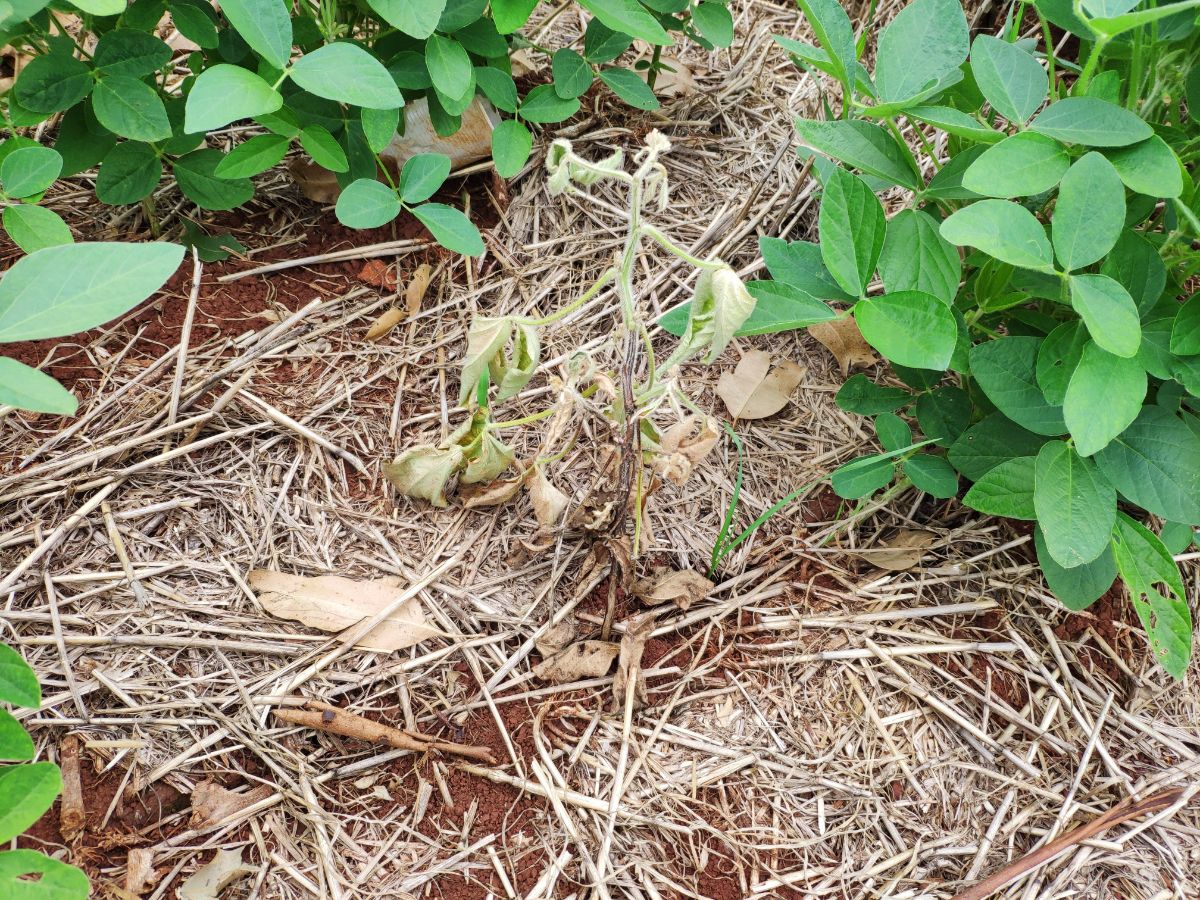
[496,493]
[316,183]
[211,803]
[383,326]
[549,503]
[585,659]
[683,446]
[681,588]
[556,638]
[334,603]
[842,338]
[208,882]
[629,663]
[417,287]
[675,80]
[754,390]
[902,551]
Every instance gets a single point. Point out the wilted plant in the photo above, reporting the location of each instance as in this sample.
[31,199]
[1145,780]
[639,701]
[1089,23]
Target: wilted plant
[504,352]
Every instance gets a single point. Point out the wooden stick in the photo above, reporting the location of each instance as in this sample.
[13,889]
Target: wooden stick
[325,717]
[1115,816]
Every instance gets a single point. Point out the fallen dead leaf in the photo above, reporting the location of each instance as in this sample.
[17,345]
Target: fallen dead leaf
[556,638]
[681,588]
[629,663]
[549,502]
[208,882]
[842,338]
[523,62]
[754,390]
[334,603]
[683,446]
[495,493]
[417,286]
[383,326]
[902,551]
[212,803]
[140,874]
[585,659]
[377,273]
[315,182]
[677,83]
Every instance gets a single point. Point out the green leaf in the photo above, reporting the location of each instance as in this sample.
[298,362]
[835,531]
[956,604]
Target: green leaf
[1153,464]
[832,27]
[63,290]
[224,94]
[379,127]
[926,42]
[18,683]
[509,15]
[861,145]
[349,74]
[81,141]
[944,414]
[1057,358]
[100,7]
[367,203]
[1090,212]
[1149,167]
[601,44]
[33,228]
[893,432]
[130,172]
[195,24]
[1185,333]
[863,476]
[1103,398]
[910,328]
[990,442]
[15,744]
[52,83]
[932,474]
[422,175]
[629,86]
[852,229]
[861,395]
[419,18]
[26,792]
[1135,263]
[955,122]
[916,257]
[1006,490]
[1177,537]
[449,66]
[1079,587]
[799,263]
[29,875]
[1010,78]
[1023,165]
[28,388]
[511,144]
[1109,312]
[542,106]
[498,87]
[714,21]
[130,108]
[1075,505]
[947,183]
[253,157]
[266,26]
[197,177]
[572,74]
[324,148]
[29,170]
[628,17]
[1145,564]
[782,307]
[124,51]
[1092,122]
[460,14]
[1003,229]
[450,228]
[1005,370]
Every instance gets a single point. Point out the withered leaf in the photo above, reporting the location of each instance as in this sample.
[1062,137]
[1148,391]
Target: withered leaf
[209,880]
[382,326]
[417,286]
[681,588]
[842,338]
[424,471]
[585,659]
[901,551]
[754,390]
[211,803]
[555,638]
[549,503]
[497,493]
[683,446]
[629,663]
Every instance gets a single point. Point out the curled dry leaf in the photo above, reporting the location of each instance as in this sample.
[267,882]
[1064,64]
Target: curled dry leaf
[383,326]
[681,588]
[212,803]
[424,472]
[549,503]
[208,882]
[334,603]
[754,390]
[585,659]
[901,551]
[555,638]
[842,338]
[497,493]
[417,286]
[684,445]
[675,79]
[629,662]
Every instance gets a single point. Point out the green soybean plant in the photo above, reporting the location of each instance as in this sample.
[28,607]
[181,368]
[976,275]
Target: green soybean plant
[1029,293]
[61,290]
[27,790]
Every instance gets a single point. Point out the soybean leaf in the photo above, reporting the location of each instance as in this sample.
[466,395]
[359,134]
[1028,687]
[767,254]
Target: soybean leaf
[1153,464]
[1006,490]
[910,328]
[1103,398]
[224,94]
[33,228]
[422,175]
[29,170]
[714,22]
[82,141]
[1090,212]
[1057,358]
[947,183]
[124,51]
[944,414]
[498,87]
[861,395]
[541,105]
[861,145]
[1135,263]
[1076,506]
[1149,167]
[449,66]
[379,127]
[367,203]
[628,17]
[53,82]
[926,42]
[852,229]
[29,875]
[990,442]
[27,388]
[1092,122]
[1003,229]
[450,228]
[1156,589]
[832,27]
[1079,587]
[18,683]
[1011,79]
[1023,165]
[511,144]
[863,476]
[324,148]
[265,26]
[799,263]
[1177,537]
[130,172]
[130,108]
[1109,312]
[600,43]
[509,15]
[782,307]
[1185,333]
[253,157]
[629,86]
[893,432]
[74,287]
[419,18]
[15,744]
[460,14]
[26,792]
[572,74]
[197,177]
[195,23]
[916,257]
[956,122]
[1005,370]
[932,474]
[349,74]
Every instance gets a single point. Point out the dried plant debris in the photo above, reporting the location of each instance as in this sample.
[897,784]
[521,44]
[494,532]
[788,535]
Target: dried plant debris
[334,603]
[212,878]
[842,338]
[583,659]
[684,445]
[629,682]
[212,803]
[901,551]
[140,874]
[681,588]
[549,503]
[755,389]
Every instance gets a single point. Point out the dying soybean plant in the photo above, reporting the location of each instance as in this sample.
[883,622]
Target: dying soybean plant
[648,429]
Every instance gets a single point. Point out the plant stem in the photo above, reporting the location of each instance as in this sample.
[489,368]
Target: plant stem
[675,250]
[652,74]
